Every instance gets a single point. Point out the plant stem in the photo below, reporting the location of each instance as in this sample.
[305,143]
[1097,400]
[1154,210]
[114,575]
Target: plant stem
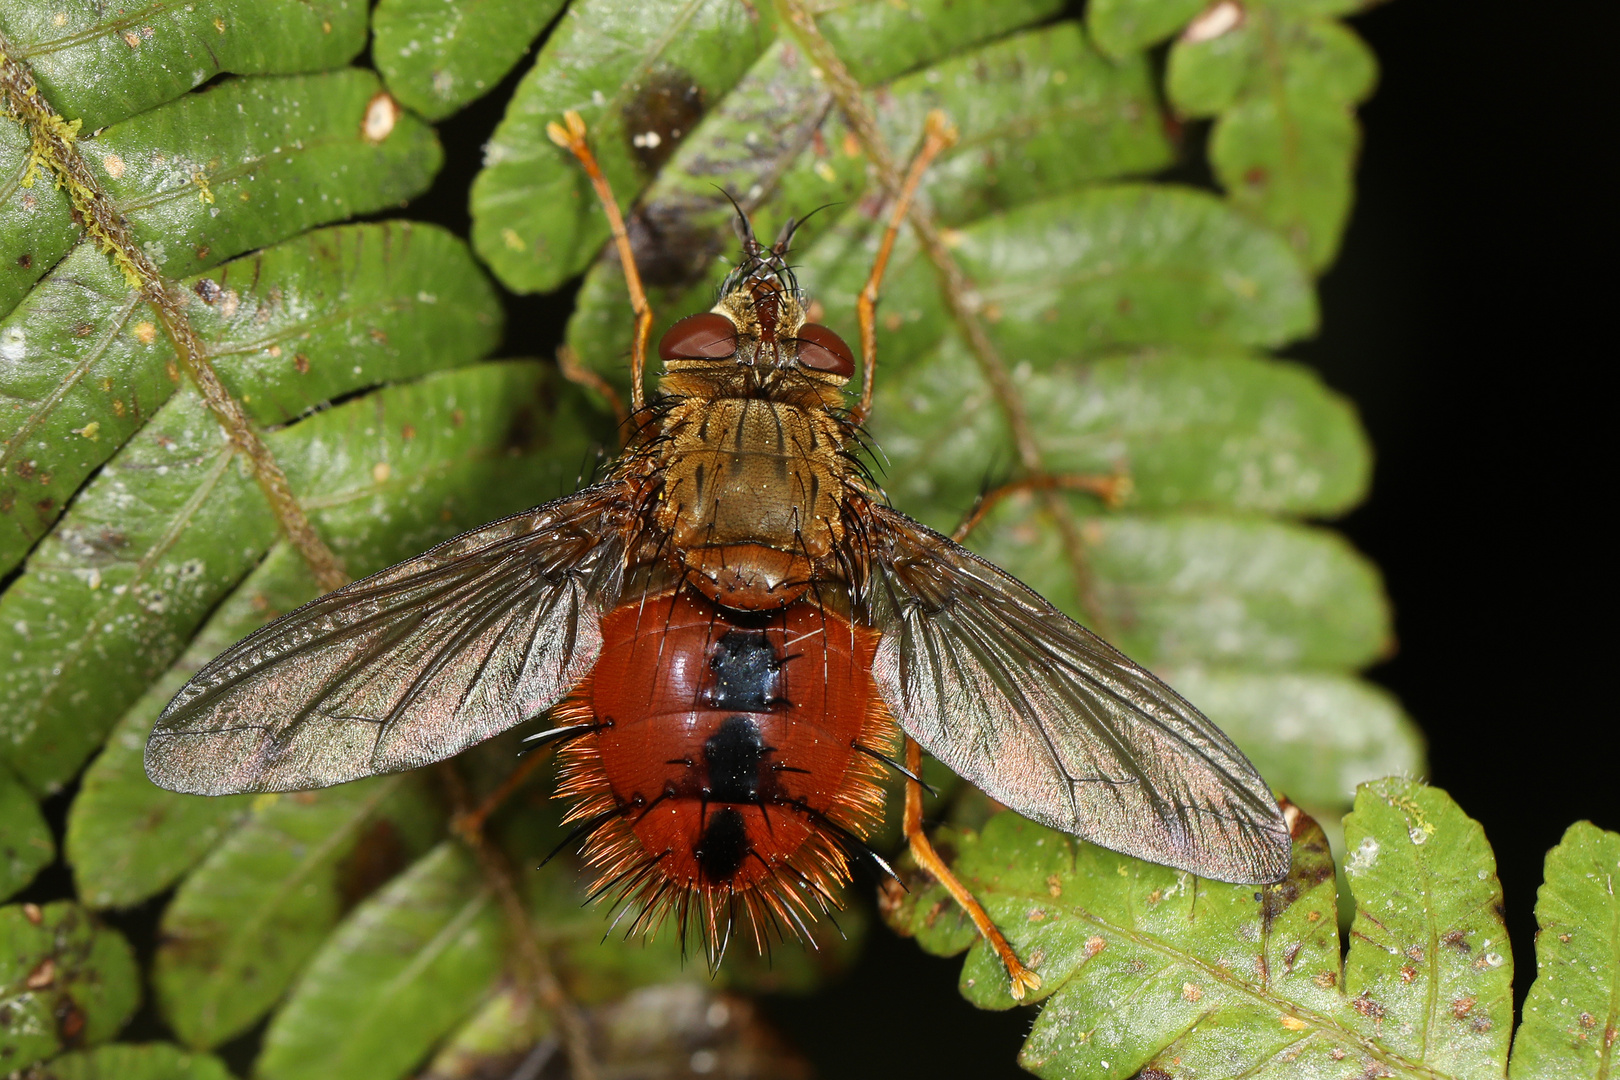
[55,148]
[957,290]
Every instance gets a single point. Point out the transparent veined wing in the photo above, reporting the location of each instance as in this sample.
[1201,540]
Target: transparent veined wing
[1046,717]
[405,667]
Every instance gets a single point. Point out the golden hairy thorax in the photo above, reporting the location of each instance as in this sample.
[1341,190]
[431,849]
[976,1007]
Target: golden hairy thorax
[753,481]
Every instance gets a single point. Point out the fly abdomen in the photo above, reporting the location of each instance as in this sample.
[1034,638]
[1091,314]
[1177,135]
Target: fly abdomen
[729,779]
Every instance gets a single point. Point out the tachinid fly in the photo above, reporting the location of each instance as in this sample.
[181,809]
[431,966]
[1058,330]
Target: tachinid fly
[734,635]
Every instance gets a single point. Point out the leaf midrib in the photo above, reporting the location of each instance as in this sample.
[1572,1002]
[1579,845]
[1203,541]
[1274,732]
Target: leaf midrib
[241,167]
[1281,1005]
[181,520]
[48,404]
[424,956]
[99,30]
[245,933]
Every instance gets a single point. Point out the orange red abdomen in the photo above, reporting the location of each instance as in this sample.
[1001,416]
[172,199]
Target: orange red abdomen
[733,758]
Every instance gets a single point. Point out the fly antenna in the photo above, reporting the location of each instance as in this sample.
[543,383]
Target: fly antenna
[751,245]
[784,239]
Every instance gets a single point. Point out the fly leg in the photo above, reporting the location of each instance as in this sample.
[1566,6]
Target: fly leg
[471,821]
[570,135]
[575,372]
[1022,978]
[1112,490]
[937,136]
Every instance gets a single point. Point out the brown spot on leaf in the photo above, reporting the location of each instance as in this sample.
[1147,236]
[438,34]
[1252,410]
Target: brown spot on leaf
[1054,887]
[300,363]
[70,1023]
[43,975]
[208,289]
[33,914]
[1408,973]
[1588,1020]
[457,417]
[1151,1073]
[1094,945]
[378,335]
[673,238]
[407,433]
[1366,1006]
[1256,177]
[664,110]
[83,329]
[25,260]
[1456,939]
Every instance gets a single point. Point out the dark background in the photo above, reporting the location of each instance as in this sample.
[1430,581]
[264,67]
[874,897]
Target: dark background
[1469,317]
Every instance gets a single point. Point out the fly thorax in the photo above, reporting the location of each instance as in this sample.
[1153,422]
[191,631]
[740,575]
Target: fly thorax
[751,497]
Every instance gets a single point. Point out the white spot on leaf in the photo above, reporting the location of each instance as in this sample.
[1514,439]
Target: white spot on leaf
[1363,857]
[1221,18]
[382,113]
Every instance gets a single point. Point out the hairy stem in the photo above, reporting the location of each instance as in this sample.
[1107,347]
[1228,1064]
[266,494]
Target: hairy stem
[55,151]
[534,967]
[957,290]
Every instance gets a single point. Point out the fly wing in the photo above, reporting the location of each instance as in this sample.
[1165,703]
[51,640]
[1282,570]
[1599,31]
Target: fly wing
[405,667]
[1046,717]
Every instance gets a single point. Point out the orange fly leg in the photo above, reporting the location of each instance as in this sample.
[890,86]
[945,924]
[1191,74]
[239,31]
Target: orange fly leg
[471,822]
[572,138]
[1021,977]
[1112,490]
[938,135]
[580,375]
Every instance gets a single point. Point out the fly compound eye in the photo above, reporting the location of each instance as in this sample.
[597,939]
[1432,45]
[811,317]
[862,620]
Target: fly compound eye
[709,336]
[822,350]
